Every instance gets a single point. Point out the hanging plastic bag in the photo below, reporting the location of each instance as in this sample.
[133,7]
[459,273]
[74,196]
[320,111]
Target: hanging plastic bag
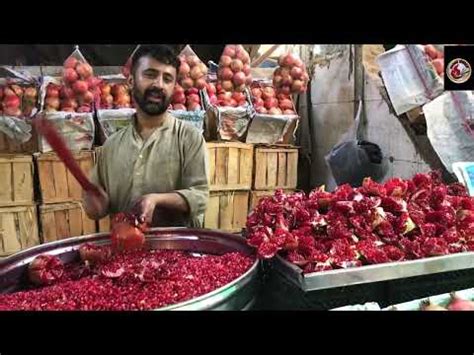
[352,159]
[234,69]
[192,71]
[127,68]
[450,127]
[291,76]
[410,78]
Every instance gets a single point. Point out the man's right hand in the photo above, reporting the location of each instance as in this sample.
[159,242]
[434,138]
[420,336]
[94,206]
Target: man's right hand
[96,206]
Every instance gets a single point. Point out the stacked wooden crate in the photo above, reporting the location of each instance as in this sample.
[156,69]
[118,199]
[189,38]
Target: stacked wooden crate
[61,213]
[18,220]
[275,167]
[230,181]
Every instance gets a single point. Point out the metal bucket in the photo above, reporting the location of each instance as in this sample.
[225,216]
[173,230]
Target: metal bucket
[239,294]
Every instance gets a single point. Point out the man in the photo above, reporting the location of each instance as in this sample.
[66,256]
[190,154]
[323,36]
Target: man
[156,166]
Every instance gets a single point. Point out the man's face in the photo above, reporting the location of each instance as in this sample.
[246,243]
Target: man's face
[153,85]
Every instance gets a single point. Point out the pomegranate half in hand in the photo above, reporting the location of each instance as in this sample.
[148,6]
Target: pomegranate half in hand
[45,270]
[127,232]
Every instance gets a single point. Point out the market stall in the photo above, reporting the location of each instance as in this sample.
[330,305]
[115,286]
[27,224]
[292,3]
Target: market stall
[390,225]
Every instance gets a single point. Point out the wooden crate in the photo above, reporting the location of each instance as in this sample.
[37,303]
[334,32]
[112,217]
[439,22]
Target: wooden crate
[103,225]
[230,166]
[10,146]
[16,179]
[18,229]
[275,168]
[256,196]
[64,220]
[57,184]
[227,210]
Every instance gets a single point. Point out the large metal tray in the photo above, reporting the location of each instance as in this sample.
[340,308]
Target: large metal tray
[372,273]
[239,294]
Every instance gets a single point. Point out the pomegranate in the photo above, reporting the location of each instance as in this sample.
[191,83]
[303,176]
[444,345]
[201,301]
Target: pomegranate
[8,92]
[246,69]
[196,73]
[45,270]
[93,82]
[289,112]
[274,111]
[178,98]
[71,103]
[459,304]
[52,91]
[127,233]
[52,102]
[285,90]
[286,80]
[296,73]
[31,93]
[70,75]
[268,92]
[179,107]
[239,79]
[226,74]
[229,51]
[297,86]
[225,61]
[184,69]
[261,110]
[233,103]
[193,98]
[80,87]
[87,97]
[12,101]
[193,60]
[93,253]
[105,89]
[240,88]
[200,84]
[12,111]
[17,90]
[193,106]
[67,93]
[236,65]
[238,96]
[271,103]
[258,102]
[187,83]
[70,63]
[286,104]
[277,80]
[84,70]
[211,89]
[227,85]
[256,92]
[84,108]
[192,91]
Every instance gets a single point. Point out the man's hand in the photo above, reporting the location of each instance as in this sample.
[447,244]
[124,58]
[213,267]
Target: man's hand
[144,207]
[96,206]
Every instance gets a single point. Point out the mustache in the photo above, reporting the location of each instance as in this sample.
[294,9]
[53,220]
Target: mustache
[157,92]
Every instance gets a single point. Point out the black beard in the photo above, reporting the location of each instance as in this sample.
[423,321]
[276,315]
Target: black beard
[149,107]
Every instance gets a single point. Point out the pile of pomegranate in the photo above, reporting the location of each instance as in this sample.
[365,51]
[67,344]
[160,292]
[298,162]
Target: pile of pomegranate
[136,280]
[18,101]
[436,58]
[291,76]
[234,69]
[375,223]
[186,100]
[114,96]
[78,92]
[266,101]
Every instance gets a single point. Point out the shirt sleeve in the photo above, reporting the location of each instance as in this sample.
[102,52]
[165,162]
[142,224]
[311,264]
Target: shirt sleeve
[195,186]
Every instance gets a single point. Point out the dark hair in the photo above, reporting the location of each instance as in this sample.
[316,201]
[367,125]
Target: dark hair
[162,53]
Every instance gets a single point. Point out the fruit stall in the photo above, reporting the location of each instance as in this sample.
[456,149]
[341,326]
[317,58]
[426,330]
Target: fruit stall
[365,230]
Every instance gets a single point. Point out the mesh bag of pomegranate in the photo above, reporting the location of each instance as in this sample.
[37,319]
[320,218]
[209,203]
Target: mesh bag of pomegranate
[410,77]
[274,115]
[127,68]
[450,126]
[291,76]
[18,103]
[114,107]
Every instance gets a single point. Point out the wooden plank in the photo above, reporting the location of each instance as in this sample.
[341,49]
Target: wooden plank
[281,181]
[60,180]
[62,224]
[28,228]
[211,218]
[8,232]
[246,168]
[212,165]
[221,166]
[292,170]
[75,222]
[23,192]
[272,169]
[104,225]
[241,206]
[48,226]
[233,166]
[226,211]
[46,180]
[89,225]
[6,190]
[260,179]
[229,145]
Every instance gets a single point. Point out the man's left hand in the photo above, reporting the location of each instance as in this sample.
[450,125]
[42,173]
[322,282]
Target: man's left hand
[145,206]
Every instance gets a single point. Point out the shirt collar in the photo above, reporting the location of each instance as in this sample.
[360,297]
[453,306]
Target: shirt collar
[167,123]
